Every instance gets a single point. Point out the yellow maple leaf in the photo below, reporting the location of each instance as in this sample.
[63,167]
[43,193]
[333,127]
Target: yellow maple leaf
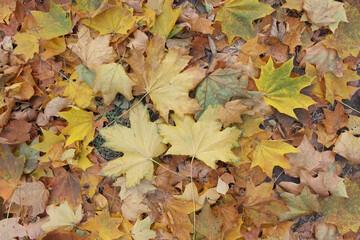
[202,139]
[53,47]
[141,229]
[167,19]
[270,153]
[103,226]
[140,144]
[237,13]
[78,91]
[54,23]
[62,216]
[118,19]
[49,140]
[160,76]
[28,44]
[111,79]
[80,126]
[93,51]
[281,91]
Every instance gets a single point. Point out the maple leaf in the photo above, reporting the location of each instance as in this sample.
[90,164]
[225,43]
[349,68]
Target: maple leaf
[281,91]
[103,226]
[325,59]
[201,25]
[202,139]
[141,229]
[62,217]
[347,145]
[93,51]
[118,19]
[32,194]
[346,39]
[178,218]
[354,125]
[6,9]
[88,7]
[207,224]
[11,169]
[336,87]
[53,47]
[308,159]
[301,205]
[80,126]
[54,23]
[65,185]
[49,139]
[191,194]
[10,229]
[166,20]
[324,13]
[334,120]
[343,212]
[219,87]
[111,79]
[28,44]
[160,76]
[140,144]
[270,153]
[137,193]
[237,13]
[260,206]
[79,92]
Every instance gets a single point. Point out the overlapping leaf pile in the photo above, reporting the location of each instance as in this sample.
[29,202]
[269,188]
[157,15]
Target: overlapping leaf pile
[179,120]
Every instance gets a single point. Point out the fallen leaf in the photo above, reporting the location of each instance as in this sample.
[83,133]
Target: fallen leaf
[334,120]
[89,8]
[80,126]
[237,13]
[103,226]
[281,91]
[260,206]
[343,212]
[16,131]
[207,224]
[28,45]
[52,108]
[141,230]
[336,87]
[270,153]
[91,51]
[166,20]
[111,79]
[62,217]
[32,194]
[11,169]
[117,19]
[65,185]
[347,145]
[53,47]
[301,205]
[201,25]
[140,144]
[202,139]
[346,39]
[54,23]
[138,193]
[325,60]
[10,229]
[161,77]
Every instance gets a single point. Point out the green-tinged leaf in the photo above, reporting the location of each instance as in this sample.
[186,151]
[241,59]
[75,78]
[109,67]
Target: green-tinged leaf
[299,205]
[166,21]
[281,91]
[85,74]
[207,224]
[343,212]
[11,169]
[141,229]
[346,39]
[219,87]
[54,23]
[237,15]
[88,7]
